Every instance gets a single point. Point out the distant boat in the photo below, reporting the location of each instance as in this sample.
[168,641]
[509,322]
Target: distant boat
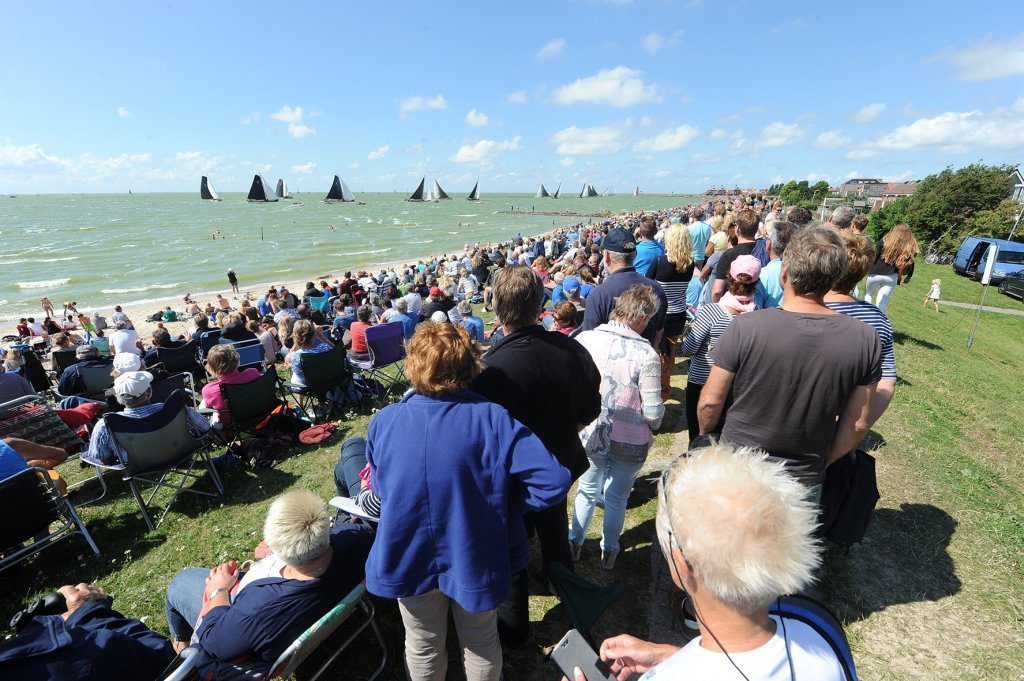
[440,194]
[542,193]
[260,191]
[557,191]
[206,190]
[583,192]
[129,192]
[418,194]
[591,192]
[636,192]
[339,192]
[282,190]
[475,194]
[608,192]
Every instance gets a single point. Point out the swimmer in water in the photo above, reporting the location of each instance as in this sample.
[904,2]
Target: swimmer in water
[330,228]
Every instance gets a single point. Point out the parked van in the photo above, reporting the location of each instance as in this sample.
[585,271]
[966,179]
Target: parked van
[972,258]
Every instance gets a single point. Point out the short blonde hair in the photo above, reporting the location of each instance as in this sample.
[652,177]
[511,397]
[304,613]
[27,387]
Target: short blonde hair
[222,359]
[743,524]
[298,528]
[442,358]
[862,257]
[636,303]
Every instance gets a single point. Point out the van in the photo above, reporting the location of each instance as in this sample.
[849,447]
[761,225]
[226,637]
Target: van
[972,258]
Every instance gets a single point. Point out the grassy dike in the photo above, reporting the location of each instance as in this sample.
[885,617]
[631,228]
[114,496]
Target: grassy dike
[936,590]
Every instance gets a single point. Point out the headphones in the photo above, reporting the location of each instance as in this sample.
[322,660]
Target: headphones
[696,610]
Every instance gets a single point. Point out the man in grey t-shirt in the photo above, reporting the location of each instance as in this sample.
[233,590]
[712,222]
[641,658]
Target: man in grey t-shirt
[801,377]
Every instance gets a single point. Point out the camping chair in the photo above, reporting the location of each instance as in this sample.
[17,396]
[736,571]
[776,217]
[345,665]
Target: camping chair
[182,667]
[207,340]
[326,374]
[101,344]
[163,388]
[30,504]
[249,404]
[386,344]
[96,380]
[250,354]
[818,617]
[159,444]
[584,602]
[322,304]
[30,418]
[312,638]
[182,358]
[62,359]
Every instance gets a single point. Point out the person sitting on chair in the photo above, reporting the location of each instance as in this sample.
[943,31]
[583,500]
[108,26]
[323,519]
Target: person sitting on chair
[733,564]
[17,455]
[133,391]
[246,616]
[161,339]
[222,363]
[71,382]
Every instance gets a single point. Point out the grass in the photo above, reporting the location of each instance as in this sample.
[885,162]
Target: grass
[934,591]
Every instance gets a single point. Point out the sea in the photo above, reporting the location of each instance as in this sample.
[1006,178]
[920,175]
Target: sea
[100,250]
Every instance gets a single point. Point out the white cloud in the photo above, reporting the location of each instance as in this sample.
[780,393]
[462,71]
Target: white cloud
[566,162]
[124,113]
[738,147]
[988,59]
[738,133]
[653,43]
[621,87]
[484,152]
[953,132]
[354,165]
[517,97]
[868,113]
[264,169]
[196,161]
[300,130]
[478,119]
[407,106]
[379,152]
[669,140]
[582,141]
[416,149]
[717,134]
[552,49]
[29,156]
[781,135]
[304,169]
[286,114]
[831,139]
[705,157]
[818,177]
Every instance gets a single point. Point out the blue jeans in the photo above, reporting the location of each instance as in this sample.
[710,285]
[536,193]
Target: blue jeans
[350,463]
[616,481]
[184,601]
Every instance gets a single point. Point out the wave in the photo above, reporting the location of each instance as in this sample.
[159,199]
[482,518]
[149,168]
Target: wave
[48,283]
[428,241]
[15,262]
[349,255]
[139,289]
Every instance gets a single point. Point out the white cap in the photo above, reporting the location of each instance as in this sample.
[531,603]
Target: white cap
[439,317]
[127,361]
[132,383]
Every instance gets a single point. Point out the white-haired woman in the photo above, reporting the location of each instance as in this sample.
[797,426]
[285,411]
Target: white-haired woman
[246,618]
[631,408]
[738,533]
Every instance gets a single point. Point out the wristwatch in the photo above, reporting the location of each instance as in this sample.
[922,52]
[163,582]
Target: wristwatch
[213,594]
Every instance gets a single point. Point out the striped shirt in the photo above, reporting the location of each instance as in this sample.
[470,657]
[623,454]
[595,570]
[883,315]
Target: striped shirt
[674,283]
[711,322]
[876,319]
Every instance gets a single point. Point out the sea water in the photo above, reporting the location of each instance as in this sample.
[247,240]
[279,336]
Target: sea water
[105,249]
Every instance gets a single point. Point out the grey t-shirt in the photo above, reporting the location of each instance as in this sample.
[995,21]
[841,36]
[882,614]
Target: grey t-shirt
[794,373]
[13,386]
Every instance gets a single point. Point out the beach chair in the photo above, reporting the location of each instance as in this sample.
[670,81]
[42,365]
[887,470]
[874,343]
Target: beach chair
[182,668]
[163,388]
[101,344]
[30,418]
[818,617]
[182,358]
[328,381]
[207,340]
[386,344]
[250,404]
[62,359]
[158,445]
[357,599]
[323,304]
[250,354]
[96,380]
[35,372]
[30,505]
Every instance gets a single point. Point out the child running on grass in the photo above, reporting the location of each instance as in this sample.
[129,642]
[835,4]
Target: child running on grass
[933,294]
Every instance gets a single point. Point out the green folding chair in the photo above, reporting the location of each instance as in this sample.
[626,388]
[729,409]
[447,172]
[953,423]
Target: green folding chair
[584,601]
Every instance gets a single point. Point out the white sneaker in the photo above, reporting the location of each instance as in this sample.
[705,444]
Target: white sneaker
[608,559]
[575,550]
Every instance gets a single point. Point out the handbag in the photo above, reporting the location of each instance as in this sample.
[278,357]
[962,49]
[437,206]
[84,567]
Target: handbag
[848,498]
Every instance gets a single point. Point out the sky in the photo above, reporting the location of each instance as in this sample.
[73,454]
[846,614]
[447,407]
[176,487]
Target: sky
[661,94]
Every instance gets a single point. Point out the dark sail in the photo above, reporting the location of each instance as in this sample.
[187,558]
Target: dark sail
[591,192]
[260,190]
[542,193]
[439,193]
[418,194]
[557,191]
[583,192]
[204,190]
[335,194]
[475,194]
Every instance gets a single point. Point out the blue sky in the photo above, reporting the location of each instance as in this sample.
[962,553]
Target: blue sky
[671,96]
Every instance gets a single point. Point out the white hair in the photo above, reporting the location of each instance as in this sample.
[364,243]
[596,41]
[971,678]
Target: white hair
[298,528]
[743,524]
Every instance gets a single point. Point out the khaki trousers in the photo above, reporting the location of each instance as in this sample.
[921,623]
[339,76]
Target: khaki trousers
[426,629]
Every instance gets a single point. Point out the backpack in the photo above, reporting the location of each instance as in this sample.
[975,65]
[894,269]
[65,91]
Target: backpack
[818,617]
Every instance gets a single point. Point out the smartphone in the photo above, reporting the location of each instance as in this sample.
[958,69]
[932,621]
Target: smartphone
[574,651]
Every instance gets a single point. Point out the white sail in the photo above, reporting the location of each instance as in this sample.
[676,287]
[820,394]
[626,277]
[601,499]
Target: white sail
[542,193]
[206,190]
[282,190]
[439,194]
[636,192]
[346,193]
[268,190]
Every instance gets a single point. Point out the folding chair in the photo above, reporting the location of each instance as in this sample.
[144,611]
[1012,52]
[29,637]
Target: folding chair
[250,354]
[327,374]
[181,358]
[96,380]
[30,504]
[62,359]
[207,340]
[290,660]
[183,666]
[184,382]
[386,344]
[250,404]
[35,372]
[322,304]
[159,444]
[30,418]
[101,344]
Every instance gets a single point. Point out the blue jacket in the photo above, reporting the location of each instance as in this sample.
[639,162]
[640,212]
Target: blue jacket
[96,643]
[455,475]
[269,614]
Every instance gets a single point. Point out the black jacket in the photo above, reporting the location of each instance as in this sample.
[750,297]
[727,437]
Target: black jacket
[547,382]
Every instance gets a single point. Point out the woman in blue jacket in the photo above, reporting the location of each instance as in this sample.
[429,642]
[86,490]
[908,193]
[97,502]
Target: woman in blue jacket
[454,474]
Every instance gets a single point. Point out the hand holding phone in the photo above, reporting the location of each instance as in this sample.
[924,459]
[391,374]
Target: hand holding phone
[573,652]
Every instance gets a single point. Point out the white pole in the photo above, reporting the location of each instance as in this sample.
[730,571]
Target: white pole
[1016,223]
[985,280]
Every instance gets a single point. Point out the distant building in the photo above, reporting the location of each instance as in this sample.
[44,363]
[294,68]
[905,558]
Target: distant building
[863,187]
[894,191]
[1018,186]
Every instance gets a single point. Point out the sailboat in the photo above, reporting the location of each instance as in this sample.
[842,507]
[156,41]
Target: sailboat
[339,192]
[440,194]
[282,190]
[260,191]
[591,192]
[636,192]
[583,192]
[418,194]
[557,191]
[206,190]
[475,194]
[608,192]
[542,193]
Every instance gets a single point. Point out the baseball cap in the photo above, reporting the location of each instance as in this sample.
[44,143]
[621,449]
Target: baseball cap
[86,351]
[435,291]
[619,240]
[571,285]
[132,383]
[127,361]
[438,317]
[746,264]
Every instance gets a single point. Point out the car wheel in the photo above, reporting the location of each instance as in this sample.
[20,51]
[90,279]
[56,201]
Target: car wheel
[1002,288]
